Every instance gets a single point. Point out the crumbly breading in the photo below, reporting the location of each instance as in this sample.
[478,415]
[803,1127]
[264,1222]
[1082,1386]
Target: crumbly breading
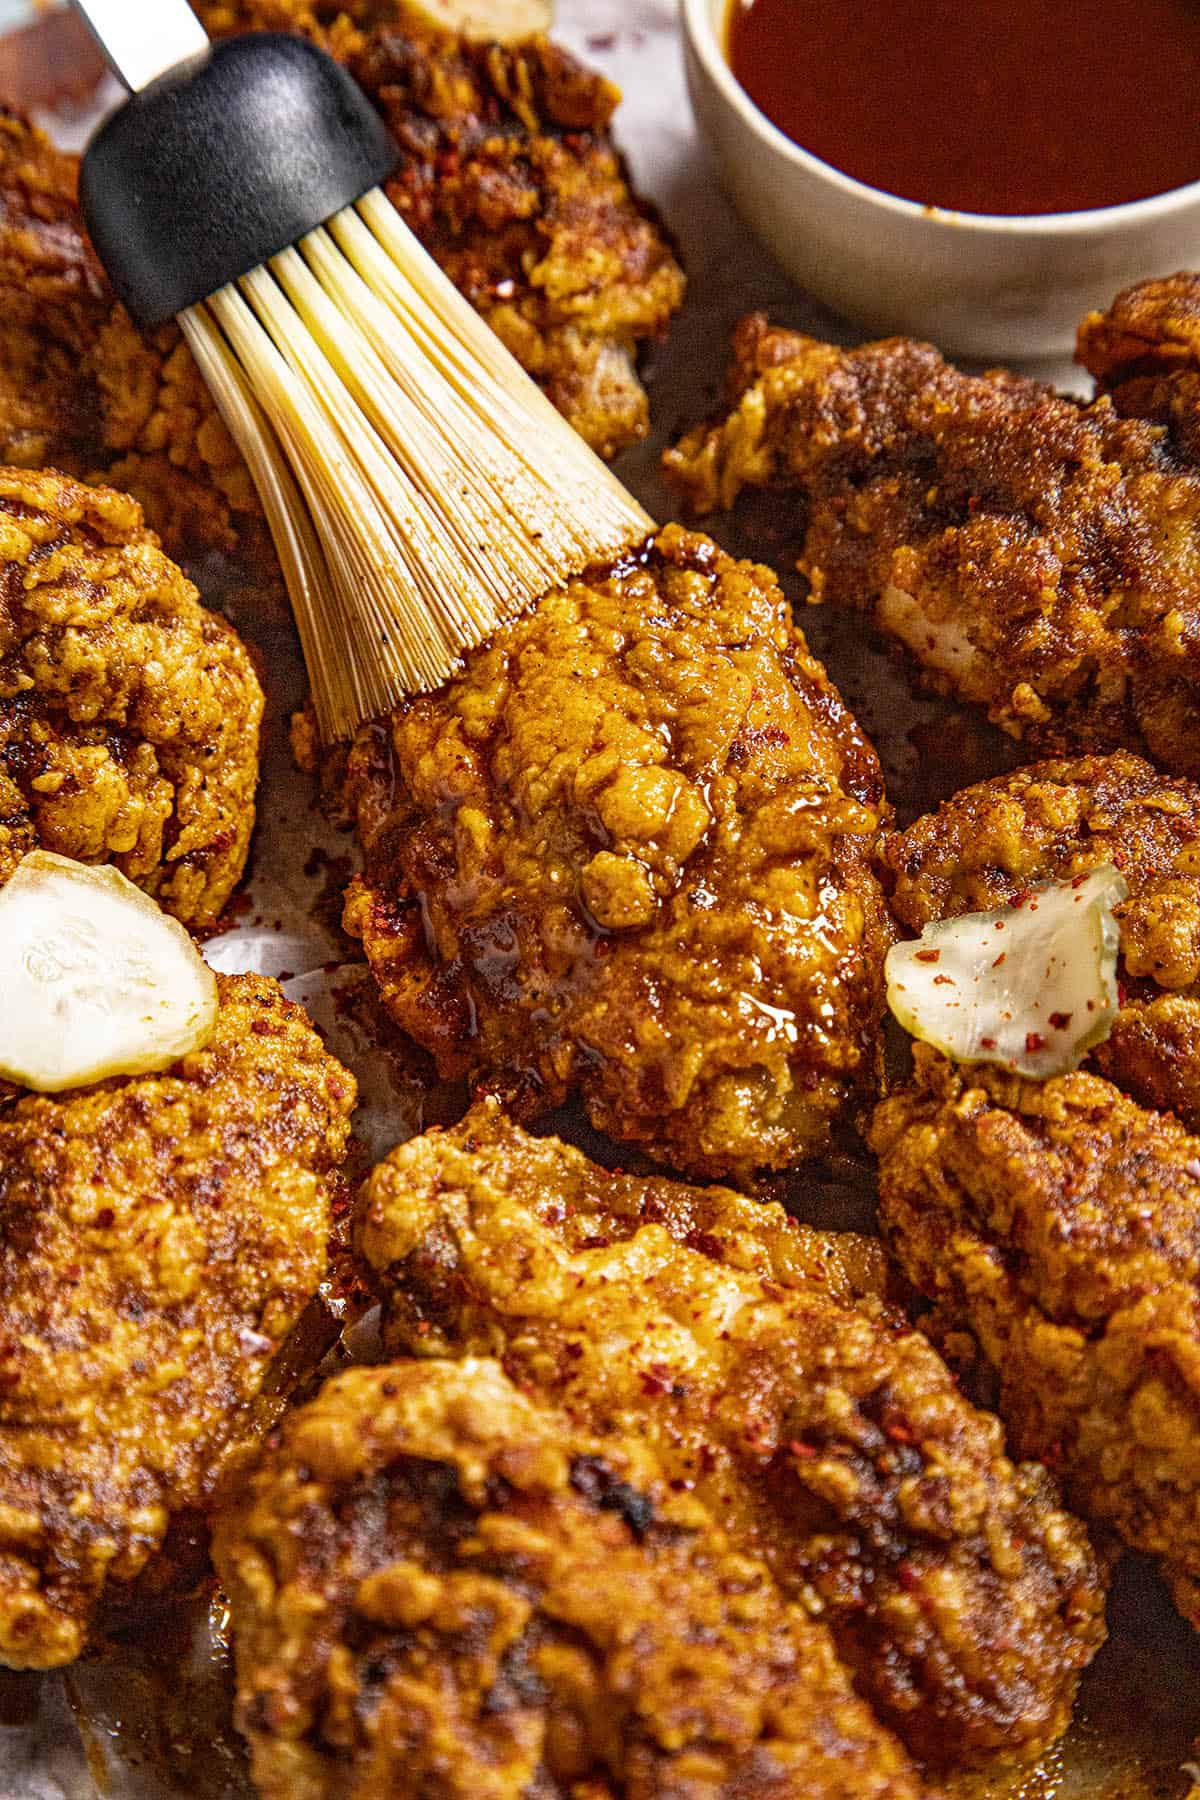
[159,1238]
[626,854]
[129,715]
[1056,1222]
[1144,353]
[438,1586]
[1053,821]
[80,386]
[510,180]
[1035,554]
[772,1380]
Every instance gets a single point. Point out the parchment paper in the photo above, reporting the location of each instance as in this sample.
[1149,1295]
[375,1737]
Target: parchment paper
[149,1720]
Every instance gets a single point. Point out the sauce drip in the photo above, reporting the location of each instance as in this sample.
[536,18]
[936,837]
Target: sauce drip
[994,106]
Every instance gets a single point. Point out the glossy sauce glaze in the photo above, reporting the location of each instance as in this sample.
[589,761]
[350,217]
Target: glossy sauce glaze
[988,106]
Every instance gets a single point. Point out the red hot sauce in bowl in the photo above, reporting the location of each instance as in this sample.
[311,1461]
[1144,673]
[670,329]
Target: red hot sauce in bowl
[984,106]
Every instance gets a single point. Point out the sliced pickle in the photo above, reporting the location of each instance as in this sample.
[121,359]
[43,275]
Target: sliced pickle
[486,21]
[1032,986]
[94,979]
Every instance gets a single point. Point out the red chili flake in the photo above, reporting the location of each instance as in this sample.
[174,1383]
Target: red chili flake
[656,1379]
[987,1043]
[899,1431]
[928,956]
[800,1449]
[999,924]
[1034,1041]
[1060,1021]
[1078,881]
[944,981]
[263,1028]
[1000,959]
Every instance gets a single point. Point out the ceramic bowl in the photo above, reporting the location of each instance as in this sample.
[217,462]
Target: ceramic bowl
[975,284]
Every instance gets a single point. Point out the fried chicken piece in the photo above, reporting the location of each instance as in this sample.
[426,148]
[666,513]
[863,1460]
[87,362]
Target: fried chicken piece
[80,386]
[159,1238]
[508,174]
[1036,555]
[1144,353]
[826,1435]
[626,854]
[1056,820]
[440,1587]
[510,180]
[129,715]
[1056,1222]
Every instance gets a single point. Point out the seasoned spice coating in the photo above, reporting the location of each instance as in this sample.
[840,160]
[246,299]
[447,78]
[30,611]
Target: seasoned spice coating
[1144,353]
[627,854]
[440,1587]
[1057,1223]
[1056,820]
[1035,554]
[763,1368]
[129,715]
[159,1238]
[80,386]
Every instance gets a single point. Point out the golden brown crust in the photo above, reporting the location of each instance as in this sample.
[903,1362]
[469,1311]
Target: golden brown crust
[159,1238]
[1053,821]
[80,387]
[1057,1223]
[1033,553]
[826,1435]
[510,180]
[439,1586]
[627,854]
[129,715]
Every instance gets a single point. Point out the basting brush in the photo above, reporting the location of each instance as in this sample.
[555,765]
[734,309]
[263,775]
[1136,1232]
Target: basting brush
[420,488]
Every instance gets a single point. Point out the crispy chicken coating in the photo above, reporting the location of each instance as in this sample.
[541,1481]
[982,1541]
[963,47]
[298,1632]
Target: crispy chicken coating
[1056,820]
[1035,554]
[440,1587]
[762,1366]
[129,715]
[509,176]
[1144,353]
[159,1238]
[80,386]
[510,180]
[1056,1222]
[627,854]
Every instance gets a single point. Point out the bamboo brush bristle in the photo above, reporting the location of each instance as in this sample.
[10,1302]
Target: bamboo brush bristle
[419,486]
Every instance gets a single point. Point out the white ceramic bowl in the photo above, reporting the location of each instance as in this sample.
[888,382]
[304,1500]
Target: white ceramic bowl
[975,284]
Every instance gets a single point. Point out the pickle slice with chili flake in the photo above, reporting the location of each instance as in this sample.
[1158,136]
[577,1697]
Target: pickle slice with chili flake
[1032,986]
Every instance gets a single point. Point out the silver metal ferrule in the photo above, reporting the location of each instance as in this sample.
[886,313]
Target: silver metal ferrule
[142,39]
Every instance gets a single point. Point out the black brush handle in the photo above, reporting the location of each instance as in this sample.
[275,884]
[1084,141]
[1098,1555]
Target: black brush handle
[221,163]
